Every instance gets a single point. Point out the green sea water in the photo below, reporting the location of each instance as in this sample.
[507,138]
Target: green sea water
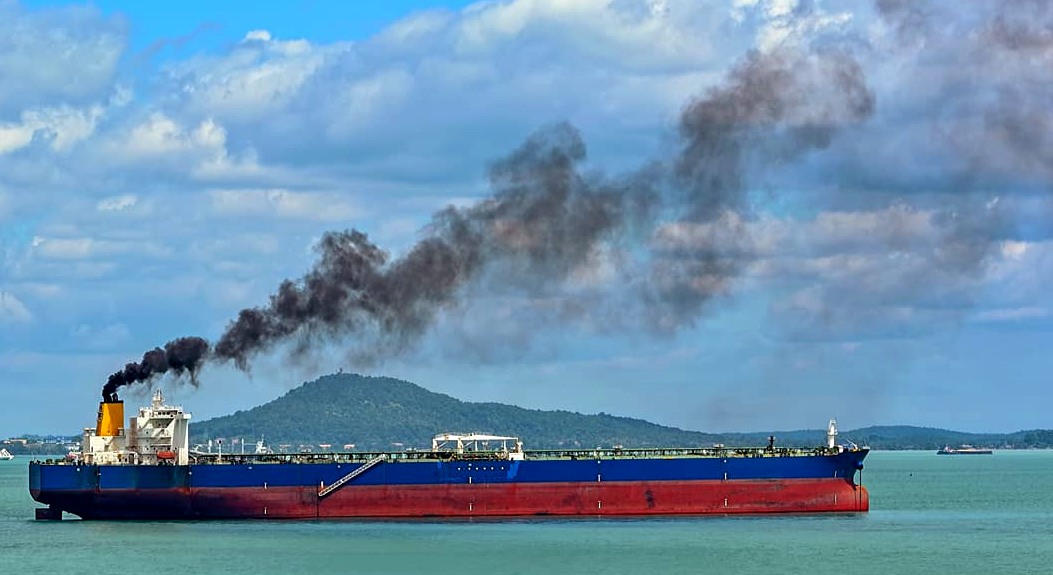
[959,515]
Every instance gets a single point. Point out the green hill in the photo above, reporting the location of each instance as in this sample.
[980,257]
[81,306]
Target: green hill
[377,413]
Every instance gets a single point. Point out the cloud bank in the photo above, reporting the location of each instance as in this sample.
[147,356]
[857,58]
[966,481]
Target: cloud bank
[857,173]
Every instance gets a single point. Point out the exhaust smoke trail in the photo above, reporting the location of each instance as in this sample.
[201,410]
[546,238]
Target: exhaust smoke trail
[180,356]
[546,219]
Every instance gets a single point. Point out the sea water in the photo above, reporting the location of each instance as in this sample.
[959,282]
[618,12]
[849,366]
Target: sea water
[960,515]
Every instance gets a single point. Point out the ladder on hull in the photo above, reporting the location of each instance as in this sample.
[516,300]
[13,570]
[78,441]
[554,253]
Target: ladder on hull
[326,490]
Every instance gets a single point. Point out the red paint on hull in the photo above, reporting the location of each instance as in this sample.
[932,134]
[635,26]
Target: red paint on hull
[480,500]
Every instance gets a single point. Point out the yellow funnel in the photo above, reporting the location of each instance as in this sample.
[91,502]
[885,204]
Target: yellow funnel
[111,416]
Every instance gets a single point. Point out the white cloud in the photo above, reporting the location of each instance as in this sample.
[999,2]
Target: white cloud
[63,248]
[66,126]
[84,248]
[162,144]
[858,273]
[160,135]
[117,203]
[62,127]
[42,290]
[787,22]
[440,85]
[100,337]
[828,233]
[260,76]
[12,310]
[67,55]
[639,36]
[414,28]
[1014,250]
[258,35]
[14,136]
[323,207]
[1021,276]
[359,104]
[1013,314]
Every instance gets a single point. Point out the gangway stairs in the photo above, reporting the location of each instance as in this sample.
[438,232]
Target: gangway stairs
[326,490]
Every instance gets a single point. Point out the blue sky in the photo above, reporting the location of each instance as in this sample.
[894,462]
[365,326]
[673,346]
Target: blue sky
[322,21]
[848,205]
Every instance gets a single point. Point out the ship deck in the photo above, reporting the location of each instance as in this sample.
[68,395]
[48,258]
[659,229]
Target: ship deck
[199,458]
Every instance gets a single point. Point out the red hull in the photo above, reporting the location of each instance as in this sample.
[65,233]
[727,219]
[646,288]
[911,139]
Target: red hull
[480,500]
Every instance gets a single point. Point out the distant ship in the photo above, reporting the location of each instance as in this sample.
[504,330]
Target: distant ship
[5,455]
[964,450]
[147,471]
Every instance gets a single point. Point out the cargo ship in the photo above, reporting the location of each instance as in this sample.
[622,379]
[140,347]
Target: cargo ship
[964,450]
[147,471]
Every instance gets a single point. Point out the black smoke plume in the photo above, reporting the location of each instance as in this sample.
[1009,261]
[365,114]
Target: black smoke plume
[775,107]
[180,356]
[547,220]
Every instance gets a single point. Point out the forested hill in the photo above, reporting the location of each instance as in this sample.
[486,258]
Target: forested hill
[381,413]
[377,412]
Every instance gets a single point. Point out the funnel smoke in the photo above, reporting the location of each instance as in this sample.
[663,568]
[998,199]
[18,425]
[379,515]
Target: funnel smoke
[180,356]
[547,220]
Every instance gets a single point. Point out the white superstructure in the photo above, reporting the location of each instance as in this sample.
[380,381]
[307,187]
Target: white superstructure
[5,455]
[462,443]
[158,434]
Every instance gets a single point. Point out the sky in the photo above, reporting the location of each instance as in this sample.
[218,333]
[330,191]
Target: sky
[746,215]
